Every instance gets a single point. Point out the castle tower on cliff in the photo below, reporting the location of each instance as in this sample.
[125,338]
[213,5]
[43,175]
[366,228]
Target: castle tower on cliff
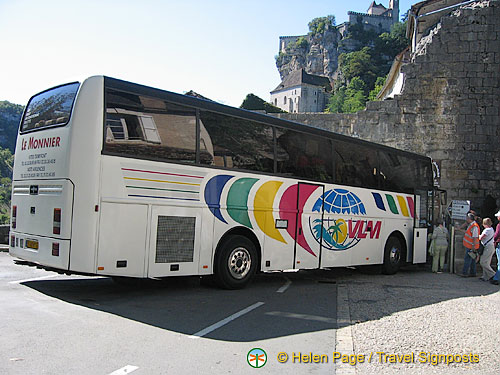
[377,16]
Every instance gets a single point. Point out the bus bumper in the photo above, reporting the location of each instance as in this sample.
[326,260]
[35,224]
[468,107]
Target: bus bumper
[46,251]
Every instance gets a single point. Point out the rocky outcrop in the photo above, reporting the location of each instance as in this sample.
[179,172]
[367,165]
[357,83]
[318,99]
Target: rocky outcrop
[319,56]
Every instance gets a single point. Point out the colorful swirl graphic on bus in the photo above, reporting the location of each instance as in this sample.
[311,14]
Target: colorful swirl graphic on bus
[333,234]
[237,205]
[406,206]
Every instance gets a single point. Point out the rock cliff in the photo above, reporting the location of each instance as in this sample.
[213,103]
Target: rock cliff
[316,53]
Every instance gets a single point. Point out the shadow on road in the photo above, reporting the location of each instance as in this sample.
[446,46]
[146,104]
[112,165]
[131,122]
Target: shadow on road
[186,306]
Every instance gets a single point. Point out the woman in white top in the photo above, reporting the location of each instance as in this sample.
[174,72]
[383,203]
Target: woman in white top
[486,239]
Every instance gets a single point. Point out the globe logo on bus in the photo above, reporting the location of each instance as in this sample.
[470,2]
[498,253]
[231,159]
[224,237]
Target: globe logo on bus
[331,233]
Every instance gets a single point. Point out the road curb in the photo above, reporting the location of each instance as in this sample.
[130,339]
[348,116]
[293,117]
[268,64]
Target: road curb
[344,341]
[4,248]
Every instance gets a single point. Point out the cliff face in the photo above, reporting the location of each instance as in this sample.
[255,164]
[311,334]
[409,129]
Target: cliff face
[318,53]
[319,56]
[10,115]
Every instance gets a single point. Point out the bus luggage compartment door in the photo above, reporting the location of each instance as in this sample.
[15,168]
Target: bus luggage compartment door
[175,241]
[122,239]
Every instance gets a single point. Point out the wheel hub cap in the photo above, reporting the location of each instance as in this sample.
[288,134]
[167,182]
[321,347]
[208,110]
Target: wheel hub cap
[239,263]
[395,255]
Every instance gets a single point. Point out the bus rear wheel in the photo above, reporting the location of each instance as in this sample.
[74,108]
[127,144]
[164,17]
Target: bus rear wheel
[236,262]
[393,256]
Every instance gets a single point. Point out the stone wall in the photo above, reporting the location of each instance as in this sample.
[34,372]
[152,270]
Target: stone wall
[449,107]
[372,22]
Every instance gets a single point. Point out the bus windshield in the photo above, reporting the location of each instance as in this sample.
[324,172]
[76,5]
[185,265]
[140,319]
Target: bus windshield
[50,108]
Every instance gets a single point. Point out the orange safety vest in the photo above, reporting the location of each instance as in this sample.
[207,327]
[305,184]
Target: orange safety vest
[469,241]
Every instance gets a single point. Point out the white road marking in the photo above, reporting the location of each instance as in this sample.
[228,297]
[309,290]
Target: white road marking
[125,370]
[225,321]
[285,287]
[315,318]
[32,279]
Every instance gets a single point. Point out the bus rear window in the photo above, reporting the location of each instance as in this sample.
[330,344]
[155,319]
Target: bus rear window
[50,108]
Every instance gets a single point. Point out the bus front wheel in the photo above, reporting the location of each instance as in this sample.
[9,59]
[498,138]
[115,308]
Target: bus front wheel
[236,262]
[393,256]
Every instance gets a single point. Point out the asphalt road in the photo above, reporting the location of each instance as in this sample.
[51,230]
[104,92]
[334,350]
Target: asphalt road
[56,324]
[53,324]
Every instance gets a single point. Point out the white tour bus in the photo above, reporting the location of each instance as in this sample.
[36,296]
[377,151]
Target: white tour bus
[118,179]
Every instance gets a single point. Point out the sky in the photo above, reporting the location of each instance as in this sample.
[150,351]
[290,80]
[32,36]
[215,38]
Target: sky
[221,49]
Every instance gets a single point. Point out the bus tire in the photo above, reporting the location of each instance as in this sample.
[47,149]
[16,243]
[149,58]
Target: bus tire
[393,256]
[236,262]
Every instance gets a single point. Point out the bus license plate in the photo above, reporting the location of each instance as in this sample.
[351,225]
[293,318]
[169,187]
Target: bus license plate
[30,244]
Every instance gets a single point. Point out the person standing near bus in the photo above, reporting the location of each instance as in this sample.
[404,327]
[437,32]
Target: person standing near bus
[496,239]
[486,239]
[440,237]
[471,244]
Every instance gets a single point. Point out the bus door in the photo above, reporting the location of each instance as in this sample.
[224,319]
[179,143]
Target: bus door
[423,200]
[307,250]
[174,247]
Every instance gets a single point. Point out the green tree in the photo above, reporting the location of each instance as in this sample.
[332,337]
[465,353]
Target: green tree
[320,24]
[301,42]
[348,99]
[378,86]
[10,116]
[336,102]
[355,98]
[370,64]
[6,162]
[359,64]
[254,103]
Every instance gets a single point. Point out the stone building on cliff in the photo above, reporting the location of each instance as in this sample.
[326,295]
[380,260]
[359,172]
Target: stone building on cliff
[317,54]
[301,92]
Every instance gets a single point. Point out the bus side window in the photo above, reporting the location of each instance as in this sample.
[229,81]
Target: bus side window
[144,127]
[304,155]
[356,165]
[398,172]
[232,142]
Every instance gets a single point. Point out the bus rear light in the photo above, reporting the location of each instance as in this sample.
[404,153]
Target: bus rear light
[14,217]
[57,221]
[12,241]
[55,249]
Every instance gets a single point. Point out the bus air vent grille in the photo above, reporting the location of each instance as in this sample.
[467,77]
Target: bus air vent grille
[175,239]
